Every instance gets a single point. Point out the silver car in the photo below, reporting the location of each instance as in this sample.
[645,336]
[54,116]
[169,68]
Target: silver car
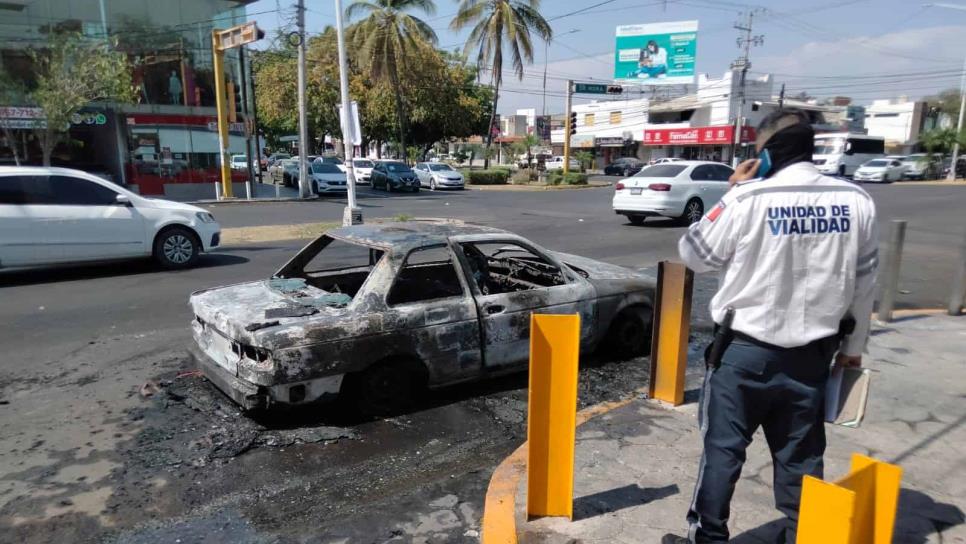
[375,313]
[438,175]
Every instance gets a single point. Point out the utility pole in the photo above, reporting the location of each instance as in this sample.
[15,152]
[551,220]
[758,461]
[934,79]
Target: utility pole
[242,82]
[352,214]
[745,42]
[304,187]
[567,126]
[959,125]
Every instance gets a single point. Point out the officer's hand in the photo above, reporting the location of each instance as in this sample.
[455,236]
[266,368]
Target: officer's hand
[745,171]
[848,361]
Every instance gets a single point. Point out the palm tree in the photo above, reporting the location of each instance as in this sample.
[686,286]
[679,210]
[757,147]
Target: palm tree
[498,24]
[386,39]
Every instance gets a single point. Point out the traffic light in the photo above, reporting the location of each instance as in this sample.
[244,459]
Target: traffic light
[573,123]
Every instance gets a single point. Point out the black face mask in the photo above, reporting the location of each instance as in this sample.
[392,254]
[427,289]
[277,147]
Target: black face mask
[789,146]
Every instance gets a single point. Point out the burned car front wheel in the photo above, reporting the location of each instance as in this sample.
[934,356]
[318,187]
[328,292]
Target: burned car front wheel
[386,388]
[630,333]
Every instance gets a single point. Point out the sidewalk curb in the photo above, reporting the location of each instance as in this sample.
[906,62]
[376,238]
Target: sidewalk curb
[537,188]
[499,509]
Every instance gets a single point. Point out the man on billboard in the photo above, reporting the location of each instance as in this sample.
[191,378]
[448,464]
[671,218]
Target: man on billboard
[652,63]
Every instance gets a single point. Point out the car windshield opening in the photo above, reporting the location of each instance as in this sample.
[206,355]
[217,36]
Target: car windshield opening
[435,167]
[661,171]
[877,163]
[397,167]
[362,163]
[333,265]
[505,267]
[325,168]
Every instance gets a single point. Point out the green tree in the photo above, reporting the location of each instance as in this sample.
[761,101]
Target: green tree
[947,102]
[498,24]
[385,42]
[12,93]
[585,158]
[71,72]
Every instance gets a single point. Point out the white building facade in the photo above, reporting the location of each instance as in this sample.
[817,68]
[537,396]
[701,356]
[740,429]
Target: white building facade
[900,122]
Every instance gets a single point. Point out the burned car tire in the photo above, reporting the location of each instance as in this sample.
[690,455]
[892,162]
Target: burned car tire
[176,247]
[630,333]
[387,388]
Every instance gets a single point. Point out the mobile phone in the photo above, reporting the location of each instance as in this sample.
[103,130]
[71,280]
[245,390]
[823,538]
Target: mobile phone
[764,163]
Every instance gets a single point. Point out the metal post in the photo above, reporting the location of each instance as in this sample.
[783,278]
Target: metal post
[245,112]
[959,126]
[352,214]
[258,145]
[890,280]
[957,299]
[567,127]
[221,104]
[671,327]
[303,120]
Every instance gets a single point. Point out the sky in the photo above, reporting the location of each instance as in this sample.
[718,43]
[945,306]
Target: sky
[865,49]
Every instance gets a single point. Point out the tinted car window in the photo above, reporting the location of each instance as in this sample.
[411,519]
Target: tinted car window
[702,173]
[397,167]
[361,163]
[661,171]
[13,189]
[436,167]
[67,190]
[721,172]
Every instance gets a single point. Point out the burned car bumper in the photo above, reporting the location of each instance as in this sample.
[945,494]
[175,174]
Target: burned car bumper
[253,384]
[245,394]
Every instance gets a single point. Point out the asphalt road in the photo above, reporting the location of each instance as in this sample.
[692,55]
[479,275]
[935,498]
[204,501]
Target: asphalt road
[85,456]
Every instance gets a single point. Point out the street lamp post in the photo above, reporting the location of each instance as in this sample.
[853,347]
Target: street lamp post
[962,96]
[352,214]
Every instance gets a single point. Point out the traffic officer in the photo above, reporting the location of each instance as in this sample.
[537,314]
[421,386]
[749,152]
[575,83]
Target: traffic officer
[796,253]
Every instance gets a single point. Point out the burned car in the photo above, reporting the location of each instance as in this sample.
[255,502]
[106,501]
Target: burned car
[377,312]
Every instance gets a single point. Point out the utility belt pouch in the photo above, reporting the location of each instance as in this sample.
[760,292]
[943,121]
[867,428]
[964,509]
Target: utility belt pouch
[723,336]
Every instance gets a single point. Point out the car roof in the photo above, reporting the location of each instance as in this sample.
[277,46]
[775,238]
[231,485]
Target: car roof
[691,163]
[409,234]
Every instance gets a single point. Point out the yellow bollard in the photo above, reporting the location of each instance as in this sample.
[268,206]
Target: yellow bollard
[669,340]
[552,414]
[858,509]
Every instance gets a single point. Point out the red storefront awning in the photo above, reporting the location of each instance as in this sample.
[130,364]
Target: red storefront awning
[717,135]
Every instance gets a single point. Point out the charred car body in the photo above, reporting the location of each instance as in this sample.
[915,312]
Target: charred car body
[382,310]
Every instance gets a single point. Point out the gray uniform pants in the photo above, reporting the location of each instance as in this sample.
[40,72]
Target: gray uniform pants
[780,390]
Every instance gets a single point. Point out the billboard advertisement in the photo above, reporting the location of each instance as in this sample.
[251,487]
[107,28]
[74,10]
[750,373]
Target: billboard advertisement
[656,53]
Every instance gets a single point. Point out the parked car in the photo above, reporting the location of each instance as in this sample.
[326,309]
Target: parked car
[376,313]
[665,160]
[438,175]
[919,166]
[274,158]
[330,159]
[239,162]
[60,215]
[681,189]
[556,163]
[624,166]
[880,170]
[285,171]
[328,178]
[394,176]
[363,170]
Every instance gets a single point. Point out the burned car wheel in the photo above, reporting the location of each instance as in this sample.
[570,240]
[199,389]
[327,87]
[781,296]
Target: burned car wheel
[387,388]
[630,334]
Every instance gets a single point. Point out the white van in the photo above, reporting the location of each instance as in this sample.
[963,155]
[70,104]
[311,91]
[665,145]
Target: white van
[841,153]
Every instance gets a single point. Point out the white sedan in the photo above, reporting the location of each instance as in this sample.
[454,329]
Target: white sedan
[683,190]
[438,175]
[362,169]
[328,177]
[59,215]
[557,163]
[880,170]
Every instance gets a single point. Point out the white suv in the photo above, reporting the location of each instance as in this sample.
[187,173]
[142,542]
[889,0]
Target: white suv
[59,215]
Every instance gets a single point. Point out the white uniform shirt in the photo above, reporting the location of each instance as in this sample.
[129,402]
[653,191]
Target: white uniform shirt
[796,253]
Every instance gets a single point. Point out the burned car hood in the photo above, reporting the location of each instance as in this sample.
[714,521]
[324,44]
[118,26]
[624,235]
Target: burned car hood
[608,278]
[249,311]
